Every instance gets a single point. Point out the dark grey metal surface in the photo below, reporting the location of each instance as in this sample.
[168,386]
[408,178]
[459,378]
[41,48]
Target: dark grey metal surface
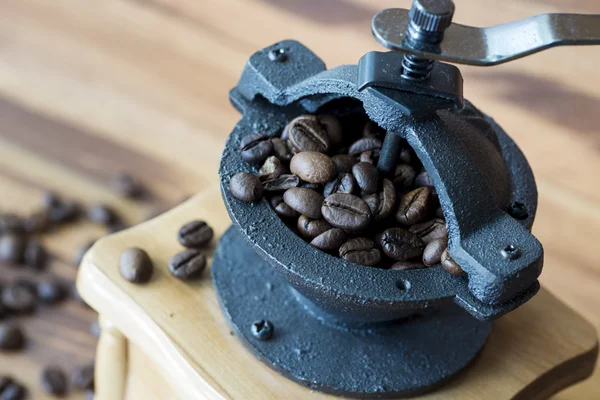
[394,359]
[491,45]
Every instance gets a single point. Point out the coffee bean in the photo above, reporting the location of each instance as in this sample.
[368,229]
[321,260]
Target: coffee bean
[36,255]
[367,177]
[406,156]
[282,209]
[430,230]
[333,128]
[271,169]
[343,163]
[50,291]
[313,167]
[400,244]
[246,187]
[135,265]
[372,130]
[314,186]
[405,265]
[83,377]
[449,265]
[382,204]
[346,211]
[127,186]
[360,251]
[19,298]
[10,223]
[311,228]
[414,206]
[195,234]
[187,265]
[81,252]
[50,200]
[13,391]
[330,240]
[54,381]
[305,201]
[423,179]
[12,248]
[432,254]
[364,144]
[101,214]
[284,182]
[404,176]
[11,337]
[280,149]
[38,222]
[64,212]
[343,183]
[256,147]
[305,133]
[4,382]
[370,157]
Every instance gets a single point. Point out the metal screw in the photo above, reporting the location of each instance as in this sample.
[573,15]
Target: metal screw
[278,55]
[428,21]
[518,210]
[510,252]
[263,329]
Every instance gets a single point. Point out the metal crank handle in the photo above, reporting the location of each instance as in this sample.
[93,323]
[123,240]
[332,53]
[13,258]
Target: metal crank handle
[492,45]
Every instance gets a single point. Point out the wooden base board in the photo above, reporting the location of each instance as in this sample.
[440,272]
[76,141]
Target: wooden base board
[532,353]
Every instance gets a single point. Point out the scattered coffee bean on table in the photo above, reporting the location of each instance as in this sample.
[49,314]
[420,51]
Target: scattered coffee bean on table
[4,382]
[195,234]
[11,337]
[135,265]
[12,248]
[127,186]
[54,381]
[188,264]
[19,298]
[83,377]
[50,291]
[36,255]
[13,391]
[101,214]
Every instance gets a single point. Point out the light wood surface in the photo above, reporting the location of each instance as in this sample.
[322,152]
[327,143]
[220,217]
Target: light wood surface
[88,89]
[539,349]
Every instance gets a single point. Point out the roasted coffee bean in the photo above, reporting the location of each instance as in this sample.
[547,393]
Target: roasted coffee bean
[13,391]
[406,156]
[449,265]
[343,183]
[367,177]
[305,201]
[135,265]
[83,377]
[50,291]
[50,200]
[423,179]
[195,234]
[54,381]
[361,251]
[127,186]
[364,144]
[36,255]
[284,182]
[405,265]
[188,264]
[19,297]
[430,230]
[344,163]
[313,167]
[372,130]
[404,176]
[346,211]
[280,149]
[256,147]
[282,209]
[12,248]
[4,382]
[370,157]
[246,187]
[81,252]
[415,206]
[101,214]
[305,133]
[271,169]
[330,240]
[11,337]
[10,223]
[64,212]
[382,204]
[432,254]
[400,244]
[314,186]
[38,222]
[333,128]
[311,228]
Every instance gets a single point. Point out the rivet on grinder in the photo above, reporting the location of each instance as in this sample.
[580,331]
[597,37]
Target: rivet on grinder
[518,210]
[263,329]
[278,55]
[510,252]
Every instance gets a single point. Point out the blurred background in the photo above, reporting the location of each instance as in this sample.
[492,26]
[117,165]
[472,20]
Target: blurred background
[90,91]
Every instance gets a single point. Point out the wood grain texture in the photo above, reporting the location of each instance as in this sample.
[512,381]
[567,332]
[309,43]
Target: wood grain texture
[87,89]
[532,353]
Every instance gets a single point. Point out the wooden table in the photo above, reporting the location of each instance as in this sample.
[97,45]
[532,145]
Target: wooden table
[91,89]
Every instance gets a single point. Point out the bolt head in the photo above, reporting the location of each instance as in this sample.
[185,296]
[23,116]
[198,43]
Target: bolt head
[263,329]
[278,55]
[510,252]
[518,210]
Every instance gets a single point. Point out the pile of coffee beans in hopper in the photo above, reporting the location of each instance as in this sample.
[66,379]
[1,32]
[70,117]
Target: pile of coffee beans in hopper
[320,177]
